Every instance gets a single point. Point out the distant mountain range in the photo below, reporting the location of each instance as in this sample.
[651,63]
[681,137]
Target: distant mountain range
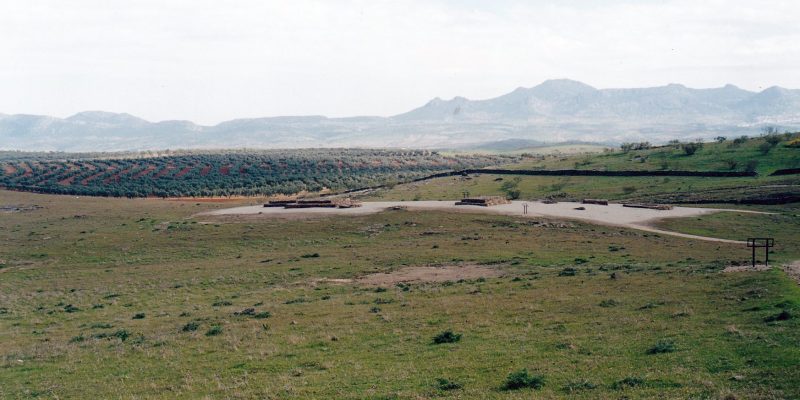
[554,111]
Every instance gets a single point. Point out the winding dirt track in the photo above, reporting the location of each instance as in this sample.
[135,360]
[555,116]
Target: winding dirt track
[611,215]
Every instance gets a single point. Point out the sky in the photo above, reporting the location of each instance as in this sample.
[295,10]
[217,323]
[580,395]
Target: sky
[209,61]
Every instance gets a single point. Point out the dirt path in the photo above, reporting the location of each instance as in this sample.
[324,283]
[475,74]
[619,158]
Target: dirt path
[612,215]
[793,270]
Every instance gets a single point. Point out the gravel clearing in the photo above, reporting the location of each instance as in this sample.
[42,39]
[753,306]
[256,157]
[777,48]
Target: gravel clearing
[612,214]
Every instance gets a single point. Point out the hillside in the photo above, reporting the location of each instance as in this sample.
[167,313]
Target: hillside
[744,155]
[228,173]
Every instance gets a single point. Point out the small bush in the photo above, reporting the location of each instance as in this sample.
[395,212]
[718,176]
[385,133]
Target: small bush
[446,384]
[522,379]
[70,308]
[101,326]
[138,316]
[782,316]
[77,339]
[662,346]
[568,272]
[765,148]
[310,255]
[631,381]
[609,303]
[214,331]
[121,334]
[691,147]
[262,315]
[190,327]
[447,337]
[221,303]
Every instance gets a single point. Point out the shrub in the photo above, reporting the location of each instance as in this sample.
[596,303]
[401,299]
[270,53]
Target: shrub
[568,272]
[631,381]
[765,148]
[446,384]
[311,255]
[121,334]
[221,303]
[691,147]
[751,166]
[77,339]
[446,337]
[794,143]
[773,139]
[662,346]
[720,139]
[101,326]
[214,331]
[782,316]
[739,141]
[522,379]
[190,327]
[70,308]
[732,164]
[262,315]
[609,303]
[138,316]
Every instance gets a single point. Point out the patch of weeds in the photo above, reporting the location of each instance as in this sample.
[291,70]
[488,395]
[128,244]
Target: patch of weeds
[70,308]
[325,297]
[77,339]
[628,382]
[649,306]
[609,303]
[190,327]
[111,296]
[221,303]
[247,312]
[262,315]
[447,384]
[101,326]
[121,334]
[784,315]
[296,301]
[379,289]
[310,255]
[447,337]
[662,346]
[577,386]
[522,379]
[581,260]
[97,306]
[569,271]
[214,331]
[138,316]
[381,300]
[375,310]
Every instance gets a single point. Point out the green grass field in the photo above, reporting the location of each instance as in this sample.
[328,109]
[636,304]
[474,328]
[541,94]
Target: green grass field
[116,298]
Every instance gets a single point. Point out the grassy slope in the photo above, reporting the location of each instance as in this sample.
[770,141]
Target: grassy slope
[783,226]
[145,256]
[712,157]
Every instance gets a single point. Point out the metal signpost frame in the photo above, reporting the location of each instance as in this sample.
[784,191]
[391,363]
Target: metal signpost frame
[766,243]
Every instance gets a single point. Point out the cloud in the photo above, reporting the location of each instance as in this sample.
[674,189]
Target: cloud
[214,60]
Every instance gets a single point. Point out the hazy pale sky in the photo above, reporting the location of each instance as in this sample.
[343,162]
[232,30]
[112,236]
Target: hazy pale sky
[209,61]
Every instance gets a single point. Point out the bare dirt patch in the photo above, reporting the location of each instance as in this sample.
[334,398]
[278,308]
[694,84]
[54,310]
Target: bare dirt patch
[747,268]
[441,273]
[793,270]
